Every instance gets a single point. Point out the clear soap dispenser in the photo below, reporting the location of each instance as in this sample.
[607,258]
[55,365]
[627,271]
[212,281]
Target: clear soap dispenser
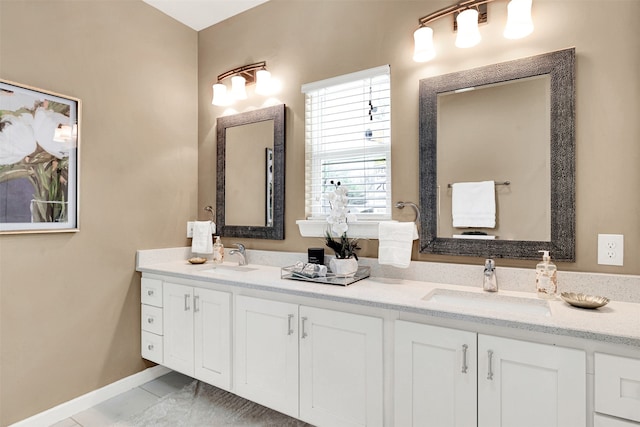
[218,251]
[546,279]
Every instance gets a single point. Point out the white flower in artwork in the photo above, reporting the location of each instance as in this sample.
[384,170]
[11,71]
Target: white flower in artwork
[16,138]
[45,125]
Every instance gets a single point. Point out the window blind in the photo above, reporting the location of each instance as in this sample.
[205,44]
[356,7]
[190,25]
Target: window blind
[348,140]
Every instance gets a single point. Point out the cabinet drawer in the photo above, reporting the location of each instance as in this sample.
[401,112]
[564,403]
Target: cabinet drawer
[617,386]
[151,347]
[152,319]
[151,291]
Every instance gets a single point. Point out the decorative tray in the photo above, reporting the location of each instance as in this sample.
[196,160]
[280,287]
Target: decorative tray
[330,279]
[584,301]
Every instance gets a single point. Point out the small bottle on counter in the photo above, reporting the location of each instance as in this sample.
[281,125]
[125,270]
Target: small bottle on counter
[218,251]
[546,279]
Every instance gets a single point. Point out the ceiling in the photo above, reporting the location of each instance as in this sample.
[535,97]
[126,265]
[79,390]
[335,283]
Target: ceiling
[200,14]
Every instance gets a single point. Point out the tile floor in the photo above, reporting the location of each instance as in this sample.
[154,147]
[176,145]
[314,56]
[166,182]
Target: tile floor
[127,404]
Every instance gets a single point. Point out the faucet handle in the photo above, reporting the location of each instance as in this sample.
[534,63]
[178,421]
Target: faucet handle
[240,247]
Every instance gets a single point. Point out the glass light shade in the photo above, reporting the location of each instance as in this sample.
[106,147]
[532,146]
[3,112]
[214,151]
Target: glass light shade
[219,95]
[263,82]
[519,23]
[423,50]
[238,88]
[468,33]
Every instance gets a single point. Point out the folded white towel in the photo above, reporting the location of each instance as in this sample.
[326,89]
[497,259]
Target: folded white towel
[395,243]
[473,204]
[202,242]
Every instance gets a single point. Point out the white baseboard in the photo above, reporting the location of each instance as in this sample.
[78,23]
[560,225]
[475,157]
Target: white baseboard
[86,401]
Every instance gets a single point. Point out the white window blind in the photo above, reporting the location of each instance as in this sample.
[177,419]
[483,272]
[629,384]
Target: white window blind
[348,140]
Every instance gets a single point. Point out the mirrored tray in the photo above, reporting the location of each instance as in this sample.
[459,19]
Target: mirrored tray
[330,279]
[583,300]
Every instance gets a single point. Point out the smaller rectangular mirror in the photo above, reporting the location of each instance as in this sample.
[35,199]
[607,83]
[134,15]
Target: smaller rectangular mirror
[250,174]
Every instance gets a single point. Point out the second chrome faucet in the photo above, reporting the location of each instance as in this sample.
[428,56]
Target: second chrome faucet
[240,251]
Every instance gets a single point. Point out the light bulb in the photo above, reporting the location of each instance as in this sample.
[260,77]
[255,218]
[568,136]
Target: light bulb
[238,88]
[220,95]
[468,34]
[519,23]
[423,45]
[263,82]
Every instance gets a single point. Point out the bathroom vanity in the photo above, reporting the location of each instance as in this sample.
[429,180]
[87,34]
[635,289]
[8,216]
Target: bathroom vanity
[390,351]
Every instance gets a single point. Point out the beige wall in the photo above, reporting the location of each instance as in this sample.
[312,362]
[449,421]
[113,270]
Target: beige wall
[305,41]
[70,303]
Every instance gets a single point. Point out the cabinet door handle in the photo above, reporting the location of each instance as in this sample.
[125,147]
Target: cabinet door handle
[290,328]
[196,299]
[150,347]
[149,319]
[464,358]
[304,333]
[490,368]
[150,292]
[186,302]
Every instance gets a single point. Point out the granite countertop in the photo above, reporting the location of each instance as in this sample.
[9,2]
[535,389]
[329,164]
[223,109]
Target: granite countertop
[616,323]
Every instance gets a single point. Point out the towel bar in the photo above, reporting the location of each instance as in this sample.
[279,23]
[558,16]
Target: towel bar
[210,210]
[401,205]
[497,183]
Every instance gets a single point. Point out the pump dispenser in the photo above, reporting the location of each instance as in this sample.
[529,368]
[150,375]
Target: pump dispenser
[546,280]
[218,251]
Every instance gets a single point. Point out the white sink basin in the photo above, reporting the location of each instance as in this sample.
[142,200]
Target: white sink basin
[489,301]
[221,268]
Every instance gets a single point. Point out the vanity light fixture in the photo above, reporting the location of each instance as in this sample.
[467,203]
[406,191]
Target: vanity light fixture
[467,14]
[241,77]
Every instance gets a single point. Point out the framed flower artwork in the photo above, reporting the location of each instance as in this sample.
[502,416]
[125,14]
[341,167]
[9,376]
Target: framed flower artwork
[39,160]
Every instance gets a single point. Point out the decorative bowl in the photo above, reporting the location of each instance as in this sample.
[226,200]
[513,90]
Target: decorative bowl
[197,260]
[583,300]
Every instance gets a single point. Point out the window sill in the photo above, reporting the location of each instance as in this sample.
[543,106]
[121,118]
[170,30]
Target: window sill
[360,229]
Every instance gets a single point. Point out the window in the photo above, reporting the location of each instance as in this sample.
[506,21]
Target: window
[348,140]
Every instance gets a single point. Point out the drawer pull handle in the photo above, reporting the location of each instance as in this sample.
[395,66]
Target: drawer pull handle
[304,333]
[149,319]
[150,347]
[464,358]
[290,328]
[150,292]
[196,300]
[490,370]
[186,302]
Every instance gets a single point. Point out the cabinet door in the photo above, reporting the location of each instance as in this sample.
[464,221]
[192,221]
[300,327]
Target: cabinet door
[522,384]
[266,353]
[435,376]
[178,327]
[341,372]
[212,340]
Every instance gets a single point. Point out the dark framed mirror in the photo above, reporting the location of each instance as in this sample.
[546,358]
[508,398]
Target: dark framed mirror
[250,174]
[475,159]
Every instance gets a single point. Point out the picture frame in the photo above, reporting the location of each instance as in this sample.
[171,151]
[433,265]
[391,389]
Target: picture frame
[39,160]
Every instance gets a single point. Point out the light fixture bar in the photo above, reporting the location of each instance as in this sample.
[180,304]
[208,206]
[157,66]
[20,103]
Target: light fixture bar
[450,10]
[246,71]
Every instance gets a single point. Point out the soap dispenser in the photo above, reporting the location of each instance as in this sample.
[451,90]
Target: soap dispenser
[218,251]
[490,282]
[546,280]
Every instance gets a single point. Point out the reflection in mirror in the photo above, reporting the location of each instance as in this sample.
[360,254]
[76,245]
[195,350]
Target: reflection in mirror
[498,132]
[250,174]
[522,133]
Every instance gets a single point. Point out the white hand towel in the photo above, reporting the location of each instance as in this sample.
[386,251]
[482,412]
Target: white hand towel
[202,242]
[395,243]
[473,204]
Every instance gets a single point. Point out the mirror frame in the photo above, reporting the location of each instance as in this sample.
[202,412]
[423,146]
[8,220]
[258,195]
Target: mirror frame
[560,66]
[275,232]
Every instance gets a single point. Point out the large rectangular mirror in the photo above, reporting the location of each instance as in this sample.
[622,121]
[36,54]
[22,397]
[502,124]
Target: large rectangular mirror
[510,123]
[250,174]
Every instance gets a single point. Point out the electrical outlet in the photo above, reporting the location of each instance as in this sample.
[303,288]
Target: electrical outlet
[610,249]
[190,229]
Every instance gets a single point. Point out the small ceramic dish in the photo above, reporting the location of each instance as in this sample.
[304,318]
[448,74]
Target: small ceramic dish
[197,260]
[584,301]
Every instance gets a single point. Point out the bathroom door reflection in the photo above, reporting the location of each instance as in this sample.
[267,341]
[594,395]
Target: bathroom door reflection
[247,172]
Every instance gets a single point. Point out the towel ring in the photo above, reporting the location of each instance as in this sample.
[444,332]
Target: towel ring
[401,205]
[210,210]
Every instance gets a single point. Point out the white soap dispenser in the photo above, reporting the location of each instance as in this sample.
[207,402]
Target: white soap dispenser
[546,279]
[218,251]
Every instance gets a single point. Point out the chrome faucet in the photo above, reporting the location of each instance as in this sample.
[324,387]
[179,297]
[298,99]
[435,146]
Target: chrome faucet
[240,252]
[490,283]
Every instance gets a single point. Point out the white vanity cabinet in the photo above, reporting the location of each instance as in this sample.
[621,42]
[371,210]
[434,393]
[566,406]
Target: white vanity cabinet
[617,390]
[151,345]
[335,357]
[197,333]
[439,371]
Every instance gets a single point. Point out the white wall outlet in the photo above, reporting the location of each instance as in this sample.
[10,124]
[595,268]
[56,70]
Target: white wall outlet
[190,228]
[610,249]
